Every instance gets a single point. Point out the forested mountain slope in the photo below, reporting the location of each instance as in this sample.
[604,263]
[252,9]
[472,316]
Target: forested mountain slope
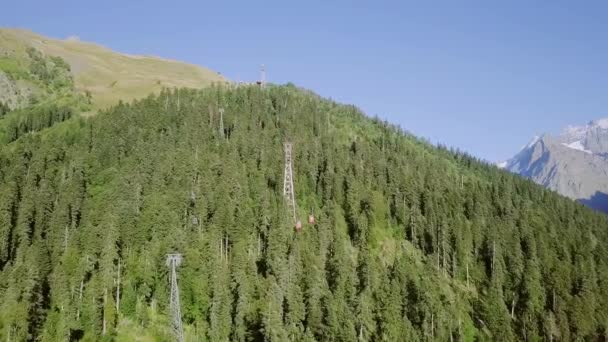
[411,242]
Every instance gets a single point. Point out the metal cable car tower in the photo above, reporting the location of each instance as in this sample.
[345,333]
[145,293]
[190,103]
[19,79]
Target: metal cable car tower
[174,260]
[288,190]
[221,110]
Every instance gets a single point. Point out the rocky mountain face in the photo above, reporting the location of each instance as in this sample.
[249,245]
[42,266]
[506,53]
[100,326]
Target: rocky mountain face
[573,163]
[13,93]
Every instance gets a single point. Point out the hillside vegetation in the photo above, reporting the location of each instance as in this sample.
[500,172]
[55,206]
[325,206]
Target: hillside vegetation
[36,91]
[34,78]
[106,75]
[411,242]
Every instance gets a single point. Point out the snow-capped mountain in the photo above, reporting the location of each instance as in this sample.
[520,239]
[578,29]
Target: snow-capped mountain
[574,163]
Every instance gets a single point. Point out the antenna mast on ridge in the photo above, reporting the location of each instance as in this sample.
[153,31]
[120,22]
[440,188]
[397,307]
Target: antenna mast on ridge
[262,76]
[174,260]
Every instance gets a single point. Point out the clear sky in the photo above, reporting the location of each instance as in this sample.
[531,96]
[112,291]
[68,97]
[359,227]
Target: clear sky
[483,76]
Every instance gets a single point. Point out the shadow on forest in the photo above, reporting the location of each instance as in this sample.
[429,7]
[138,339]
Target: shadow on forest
[599,201]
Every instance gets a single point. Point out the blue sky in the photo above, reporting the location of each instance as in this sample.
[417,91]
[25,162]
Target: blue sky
[482,76]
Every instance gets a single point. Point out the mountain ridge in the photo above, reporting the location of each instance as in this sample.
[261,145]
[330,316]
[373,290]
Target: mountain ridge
[107,75]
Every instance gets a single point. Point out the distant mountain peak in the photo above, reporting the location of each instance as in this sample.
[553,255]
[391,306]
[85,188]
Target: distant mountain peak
[572,163]
[600,123]
[572,133]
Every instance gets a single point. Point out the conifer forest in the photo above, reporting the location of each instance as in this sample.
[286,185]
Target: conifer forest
[398,240]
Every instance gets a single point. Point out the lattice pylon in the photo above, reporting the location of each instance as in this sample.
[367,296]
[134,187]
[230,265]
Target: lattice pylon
[221,110]
[174,260]
[288,190]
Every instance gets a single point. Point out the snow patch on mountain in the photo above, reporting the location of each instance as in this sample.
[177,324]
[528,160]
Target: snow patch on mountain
[531,143]
[577,145]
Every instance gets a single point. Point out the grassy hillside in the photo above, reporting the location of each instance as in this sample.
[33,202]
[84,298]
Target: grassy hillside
[411,242]
[109,76]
